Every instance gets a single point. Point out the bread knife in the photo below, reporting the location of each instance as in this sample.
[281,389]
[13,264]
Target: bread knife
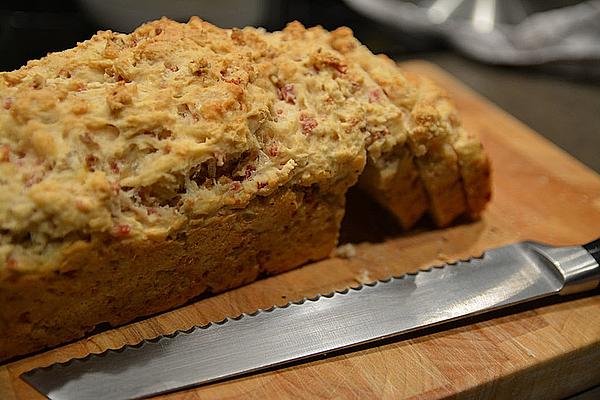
[499,278]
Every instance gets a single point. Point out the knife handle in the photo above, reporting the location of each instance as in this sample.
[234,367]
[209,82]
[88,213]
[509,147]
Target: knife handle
[593,248]
[577,266]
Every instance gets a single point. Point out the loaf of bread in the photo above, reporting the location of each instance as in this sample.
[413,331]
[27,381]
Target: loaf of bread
[140,171]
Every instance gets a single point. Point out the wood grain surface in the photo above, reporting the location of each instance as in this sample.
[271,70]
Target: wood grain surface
[550,350]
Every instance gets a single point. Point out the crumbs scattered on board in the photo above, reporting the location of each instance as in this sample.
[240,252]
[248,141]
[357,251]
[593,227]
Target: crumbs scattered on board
[348,251]
[443,257]
[363,277]
[345,251]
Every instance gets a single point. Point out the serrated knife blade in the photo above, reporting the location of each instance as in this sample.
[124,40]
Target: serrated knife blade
[250,342]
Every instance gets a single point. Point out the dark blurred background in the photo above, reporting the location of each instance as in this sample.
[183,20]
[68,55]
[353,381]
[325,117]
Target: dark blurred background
[556,95]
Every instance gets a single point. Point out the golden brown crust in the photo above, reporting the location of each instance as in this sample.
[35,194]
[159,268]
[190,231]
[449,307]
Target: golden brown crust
[116,282]
[123,135]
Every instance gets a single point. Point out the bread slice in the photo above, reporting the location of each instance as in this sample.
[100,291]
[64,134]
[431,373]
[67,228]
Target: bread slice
[428,131]
[140,171]
[473,163]
[433,136]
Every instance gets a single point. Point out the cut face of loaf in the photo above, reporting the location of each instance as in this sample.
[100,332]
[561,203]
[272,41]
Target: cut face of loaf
[453,169]
[185,158]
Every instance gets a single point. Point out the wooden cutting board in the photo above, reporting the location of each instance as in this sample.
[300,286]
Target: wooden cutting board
[549,351]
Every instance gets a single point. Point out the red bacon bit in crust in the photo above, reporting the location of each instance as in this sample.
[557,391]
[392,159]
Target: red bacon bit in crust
[121,230]
[341,68]
[76,86]
[63,73]
[237,36]
[248,171]
[7,103]
[114,167]
[279,111]
[151,210]
[235,186]
[288,93]
[235,81]
[260,185]
[322,60]
[11,263]
[87,139]
[4,153]
[307,123]
[273,150]
[33,179]
[174,68]
[82,206]
[374,96]
[90,161]
[38,82]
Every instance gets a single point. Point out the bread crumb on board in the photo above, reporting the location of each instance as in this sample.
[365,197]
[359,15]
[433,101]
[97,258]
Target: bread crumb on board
[345,251]
[443,257]
[364,276]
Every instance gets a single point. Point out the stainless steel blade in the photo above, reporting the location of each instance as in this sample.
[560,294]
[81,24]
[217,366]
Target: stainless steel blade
[250,342]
